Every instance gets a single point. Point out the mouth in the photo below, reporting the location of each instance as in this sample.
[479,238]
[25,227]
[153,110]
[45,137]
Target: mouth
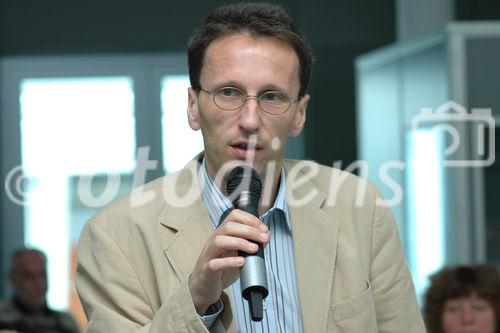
[246,146]
[244,149]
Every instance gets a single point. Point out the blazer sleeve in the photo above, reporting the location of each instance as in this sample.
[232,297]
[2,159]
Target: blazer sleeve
[394,295]
[113,297]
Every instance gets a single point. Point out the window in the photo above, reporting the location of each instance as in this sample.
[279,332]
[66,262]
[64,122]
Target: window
[426,202]
[180,142]
[71,128]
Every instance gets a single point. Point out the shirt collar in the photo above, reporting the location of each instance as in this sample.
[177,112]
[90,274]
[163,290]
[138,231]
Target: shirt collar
[217,203]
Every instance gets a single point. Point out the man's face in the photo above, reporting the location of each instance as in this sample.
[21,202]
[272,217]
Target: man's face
[254,66]
[29,278]
[468,315]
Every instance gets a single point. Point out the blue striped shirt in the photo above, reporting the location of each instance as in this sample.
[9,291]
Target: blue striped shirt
[281,306]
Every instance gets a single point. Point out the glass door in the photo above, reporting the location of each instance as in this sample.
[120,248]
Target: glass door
[426,217]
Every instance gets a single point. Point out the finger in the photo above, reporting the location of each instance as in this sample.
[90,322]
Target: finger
[219,264]
[266,237]
[242,217]
[222,243]
[239,230]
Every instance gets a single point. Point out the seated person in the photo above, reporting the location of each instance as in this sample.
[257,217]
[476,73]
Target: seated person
[27,311]
[463,299]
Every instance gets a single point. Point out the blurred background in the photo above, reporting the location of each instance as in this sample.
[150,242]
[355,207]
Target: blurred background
[88,86]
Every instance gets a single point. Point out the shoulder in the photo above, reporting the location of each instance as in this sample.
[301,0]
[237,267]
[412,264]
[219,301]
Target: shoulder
[151,201]
[351,201]
[337,186]
[8,312]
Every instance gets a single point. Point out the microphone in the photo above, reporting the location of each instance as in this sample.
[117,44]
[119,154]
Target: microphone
[243,184]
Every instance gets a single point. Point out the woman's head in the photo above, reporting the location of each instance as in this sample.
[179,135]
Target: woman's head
[464,299]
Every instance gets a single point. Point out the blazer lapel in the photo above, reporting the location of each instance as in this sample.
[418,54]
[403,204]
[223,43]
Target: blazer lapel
[190,224]
[192,228]
[315,241]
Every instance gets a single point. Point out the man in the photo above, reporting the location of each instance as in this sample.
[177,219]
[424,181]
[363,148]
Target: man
[28,312]
[161,259]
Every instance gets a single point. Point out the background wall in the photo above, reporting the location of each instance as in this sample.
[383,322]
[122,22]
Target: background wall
[337,30]
[477,10]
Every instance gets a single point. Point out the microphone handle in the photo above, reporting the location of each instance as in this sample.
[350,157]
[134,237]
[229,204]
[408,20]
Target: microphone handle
[253,278]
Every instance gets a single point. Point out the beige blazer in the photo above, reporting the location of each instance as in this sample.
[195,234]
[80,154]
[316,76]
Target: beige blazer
[136,254]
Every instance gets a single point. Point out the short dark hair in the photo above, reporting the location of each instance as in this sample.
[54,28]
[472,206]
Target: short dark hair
[457,282]
[255,19]
[22,251]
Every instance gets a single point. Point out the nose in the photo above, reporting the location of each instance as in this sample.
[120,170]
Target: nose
[467,315]
[250,115]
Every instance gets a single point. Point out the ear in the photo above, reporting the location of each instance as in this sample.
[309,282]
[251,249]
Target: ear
[193,110]
[300,116]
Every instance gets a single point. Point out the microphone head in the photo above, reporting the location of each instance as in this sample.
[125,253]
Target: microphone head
[244,178]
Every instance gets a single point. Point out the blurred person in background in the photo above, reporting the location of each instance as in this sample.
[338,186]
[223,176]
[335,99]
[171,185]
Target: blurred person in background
[27,311]
[464,299]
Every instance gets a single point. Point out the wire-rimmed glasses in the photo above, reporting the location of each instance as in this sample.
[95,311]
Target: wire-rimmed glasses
[231,99]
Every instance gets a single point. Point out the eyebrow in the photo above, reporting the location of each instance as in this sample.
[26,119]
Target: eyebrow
[236,84]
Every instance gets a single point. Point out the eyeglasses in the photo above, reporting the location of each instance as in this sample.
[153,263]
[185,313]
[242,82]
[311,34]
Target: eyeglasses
[231,99]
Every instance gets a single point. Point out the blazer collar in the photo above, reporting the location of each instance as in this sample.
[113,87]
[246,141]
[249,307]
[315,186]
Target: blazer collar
[192,228]
[190,222]
[315,237]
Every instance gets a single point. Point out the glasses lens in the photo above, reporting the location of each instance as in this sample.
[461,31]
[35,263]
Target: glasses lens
[229,98]
[274,102]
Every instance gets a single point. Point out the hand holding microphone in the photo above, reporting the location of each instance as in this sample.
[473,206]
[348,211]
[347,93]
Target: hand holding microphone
[219,262]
